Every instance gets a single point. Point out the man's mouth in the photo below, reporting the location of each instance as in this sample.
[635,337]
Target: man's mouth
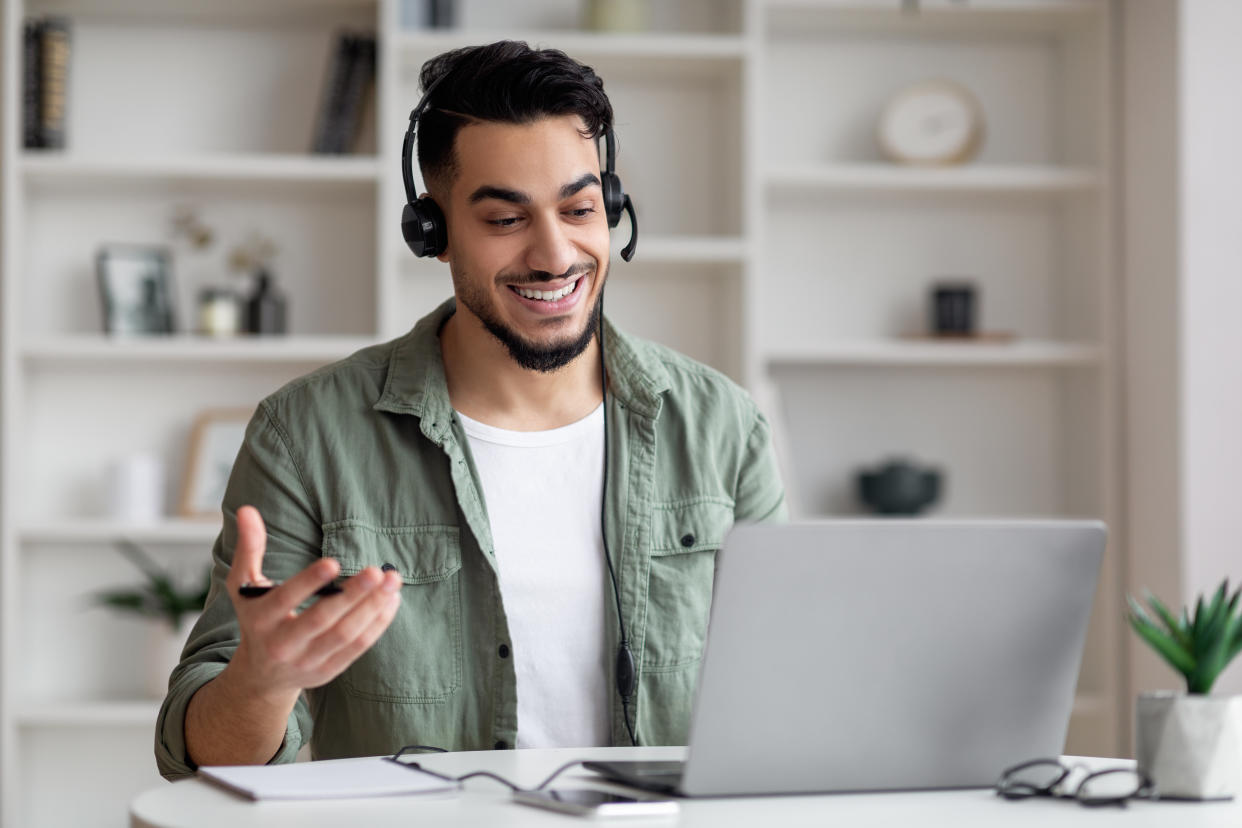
[553,295]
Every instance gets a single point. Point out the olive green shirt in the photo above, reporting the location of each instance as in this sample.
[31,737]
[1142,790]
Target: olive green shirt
[364,461]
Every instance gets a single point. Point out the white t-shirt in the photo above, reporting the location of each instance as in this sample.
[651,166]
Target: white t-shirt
[544,490]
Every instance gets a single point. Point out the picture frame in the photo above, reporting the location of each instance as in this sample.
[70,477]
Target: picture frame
[135,289]
[215,440]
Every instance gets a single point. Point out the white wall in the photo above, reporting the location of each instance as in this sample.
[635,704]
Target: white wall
[1182,271]
[1211,267]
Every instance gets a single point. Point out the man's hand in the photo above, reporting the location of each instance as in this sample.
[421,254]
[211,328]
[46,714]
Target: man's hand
[239,717]
[283,651]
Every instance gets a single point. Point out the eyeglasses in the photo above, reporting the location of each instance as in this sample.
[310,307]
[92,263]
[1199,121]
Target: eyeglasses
[1050,777]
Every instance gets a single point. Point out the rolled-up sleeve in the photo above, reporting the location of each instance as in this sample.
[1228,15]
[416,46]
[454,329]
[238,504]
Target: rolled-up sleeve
[268,476]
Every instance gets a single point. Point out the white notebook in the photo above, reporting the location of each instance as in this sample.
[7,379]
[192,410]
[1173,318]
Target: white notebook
[326,779]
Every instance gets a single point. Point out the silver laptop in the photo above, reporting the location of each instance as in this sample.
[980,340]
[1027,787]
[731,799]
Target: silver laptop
[863,655]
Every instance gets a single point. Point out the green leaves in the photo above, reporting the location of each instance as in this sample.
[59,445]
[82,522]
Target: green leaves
[1199,647]
[159,597]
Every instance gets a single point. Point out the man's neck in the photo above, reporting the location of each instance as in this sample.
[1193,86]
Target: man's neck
[486,384]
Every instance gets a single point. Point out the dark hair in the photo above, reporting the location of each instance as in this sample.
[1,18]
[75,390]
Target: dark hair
[508,82]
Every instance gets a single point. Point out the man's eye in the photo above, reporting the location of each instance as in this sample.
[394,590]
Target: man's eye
[504,222]
[582,212]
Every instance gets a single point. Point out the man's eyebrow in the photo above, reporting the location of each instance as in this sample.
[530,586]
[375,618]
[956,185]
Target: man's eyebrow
[518,197]
[584,181]
[500,194]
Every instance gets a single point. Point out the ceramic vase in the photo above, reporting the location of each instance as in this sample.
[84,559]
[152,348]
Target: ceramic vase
[164,645]
[1189,745]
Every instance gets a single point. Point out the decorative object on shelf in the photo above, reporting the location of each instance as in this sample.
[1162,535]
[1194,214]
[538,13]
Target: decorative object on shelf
[214,442]
[136,488]
[953,307]
[266,307]
[348,82]
[135,286]
[173,607]
[934,123]
[899,487]
[186,223]
[46,49]
[219,312]
[616,15]
[1190,745]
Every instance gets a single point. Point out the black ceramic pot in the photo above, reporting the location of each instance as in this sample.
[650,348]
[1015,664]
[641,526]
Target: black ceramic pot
[899,488]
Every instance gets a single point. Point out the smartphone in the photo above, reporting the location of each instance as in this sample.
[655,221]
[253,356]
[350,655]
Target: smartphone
[596,803]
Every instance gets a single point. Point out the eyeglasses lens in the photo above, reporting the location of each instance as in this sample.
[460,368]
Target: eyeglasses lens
[1110,786]
[1035,778]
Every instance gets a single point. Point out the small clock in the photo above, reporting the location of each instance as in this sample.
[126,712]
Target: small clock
[936,122]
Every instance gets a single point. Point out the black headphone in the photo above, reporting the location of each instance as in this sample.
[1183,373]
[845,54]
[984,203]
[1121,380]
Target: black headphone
[422,221]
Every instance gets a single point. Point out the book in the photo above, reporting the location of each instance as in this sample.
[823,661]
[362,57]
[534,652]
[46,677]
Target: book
[331,98]
[31,74]
[54,53]
[326,779]
[357,87]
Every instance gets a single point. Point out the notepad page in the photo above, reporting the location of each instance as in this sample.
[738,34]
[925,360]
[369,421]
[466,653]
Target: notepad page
[326,779]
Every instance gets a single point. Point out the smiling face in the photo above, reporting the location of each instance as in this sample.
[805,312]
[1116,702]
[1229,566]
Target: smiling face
[527,236]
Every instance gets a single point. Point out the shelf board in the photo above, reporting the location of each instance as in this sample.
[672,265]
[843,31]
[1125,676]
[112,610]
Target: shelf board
[948,354]
[687,48]
[136,713]
[91,530]
[80,349]
[893,178]
[1031,16]
[44,168]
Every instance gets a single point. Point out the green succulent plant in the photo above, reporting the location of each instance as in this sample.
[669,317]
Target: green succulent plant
[1199,646]
[160,596]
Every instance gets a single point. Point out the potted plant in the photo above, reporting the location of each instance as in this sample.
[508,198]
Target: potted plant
[1188,744]
[172,607]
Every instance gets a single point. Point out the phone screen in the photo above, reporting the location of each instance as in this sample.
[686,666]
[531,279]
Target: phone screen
[598,803]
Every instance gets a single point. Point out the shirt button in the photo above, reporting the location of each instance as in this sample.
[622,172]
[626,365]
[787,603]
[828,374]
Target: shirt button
[504,650]
[502,745]
[687,540]
[388,568]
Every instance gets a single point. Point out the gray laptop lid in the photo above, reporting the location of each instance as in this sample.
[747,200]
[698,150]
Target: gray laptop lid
[893,654]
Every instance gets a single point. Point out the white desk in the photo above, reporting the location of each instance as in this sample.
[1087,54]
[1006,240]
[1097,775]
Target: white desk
[192,803]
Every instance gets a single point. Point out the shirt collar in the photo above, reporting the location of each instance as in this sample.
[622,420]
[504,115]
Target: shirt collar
[416,383]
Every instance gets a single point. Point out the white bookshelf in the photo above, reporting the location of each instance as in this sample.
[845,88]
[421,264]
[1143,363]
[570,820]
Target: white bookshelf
[887,178]
[775,245]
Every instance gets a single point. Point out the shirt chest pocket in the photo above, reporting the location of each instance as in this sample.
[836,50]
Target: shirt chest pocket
[685,538]
[418,659]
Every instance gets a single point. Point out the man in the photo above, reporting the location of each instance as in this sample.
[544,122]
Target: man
[462,480]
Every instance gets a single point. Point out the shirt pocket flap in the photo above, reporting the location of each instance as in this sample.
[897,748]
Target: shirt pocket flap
[697,525]
[421,554]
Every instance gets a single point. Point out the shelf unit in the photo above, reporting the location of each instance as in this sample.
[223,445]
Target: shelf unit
[776,246]
[1020,428]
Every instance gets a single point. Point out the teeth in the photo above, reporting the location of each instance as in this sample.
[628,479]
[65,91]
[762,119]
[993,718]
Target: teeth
[548,295]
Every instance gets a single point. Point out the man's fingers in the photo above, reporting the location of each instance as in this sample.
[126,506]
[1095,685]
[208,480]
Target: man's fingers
[367,636]
[352,623]
[287,597]
[248,554]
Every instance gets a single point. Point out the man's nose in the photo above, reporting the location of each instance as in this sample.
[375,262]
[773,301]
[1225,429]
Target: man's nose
[551,249]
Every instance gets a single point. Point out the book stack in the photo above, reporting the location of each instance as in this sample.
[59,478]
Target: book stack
[348,83]
[45,82]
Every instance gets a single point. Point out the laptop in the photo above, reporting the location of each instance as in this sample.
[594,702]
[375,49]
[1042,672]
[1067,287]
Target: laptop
[868,655]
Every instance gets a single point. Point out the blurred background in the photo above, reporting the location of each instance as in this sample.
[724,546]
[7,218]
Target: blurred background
[974,258]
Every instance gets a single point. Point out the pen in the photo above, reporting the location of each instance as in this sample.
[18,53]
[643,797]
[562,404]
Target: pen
[255,590]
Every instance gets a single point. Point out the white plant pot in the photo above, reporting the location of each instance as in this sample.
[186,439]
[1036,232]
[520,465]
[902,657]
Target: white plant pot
[1189,746]
[164,645]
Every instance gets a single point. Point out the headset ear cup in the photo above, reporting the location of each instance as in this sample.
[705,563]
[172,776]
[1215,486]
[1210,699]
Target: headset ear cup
[614,197]
[423,227]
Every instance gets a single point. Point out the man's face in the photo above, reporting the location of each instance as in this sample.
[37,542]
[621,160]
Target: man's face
[528,238]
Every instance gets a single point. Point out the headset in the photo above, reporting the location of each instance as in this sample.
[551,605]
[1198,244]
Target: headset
[425,231]
[422,221]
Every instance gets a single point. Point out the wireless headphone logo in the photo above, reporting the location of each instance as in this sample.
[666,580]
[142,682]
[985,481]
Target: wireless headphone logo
[422,222]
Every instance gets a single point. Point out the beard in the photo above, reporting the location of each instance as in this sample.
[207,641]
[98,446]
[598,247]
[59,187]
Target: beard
[533,356]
